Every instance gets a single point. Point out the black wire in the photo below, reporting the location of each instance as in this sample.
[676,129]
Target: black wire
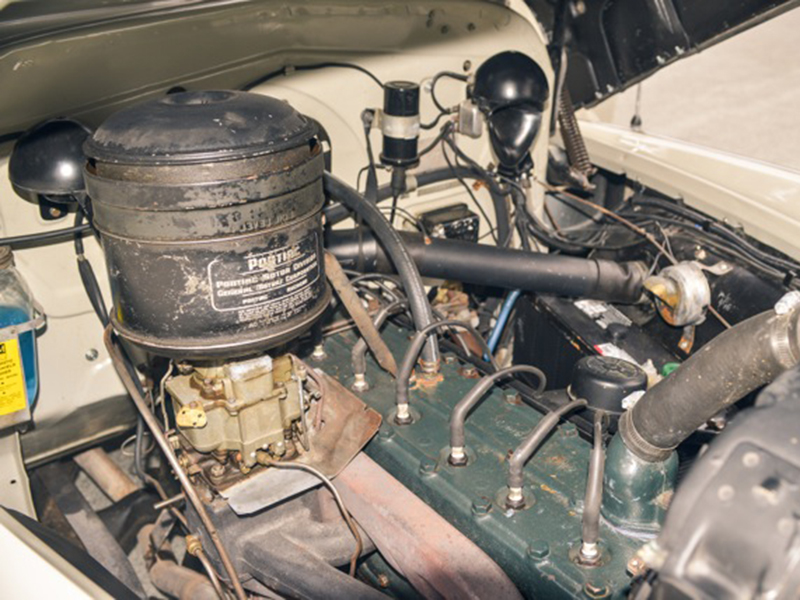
[393,209]
[436,78]
[408,215]
[702,237]
[323,65]
[433,123]
[88,278]
[717,228]
[44,235]
[435,141]
[468,188]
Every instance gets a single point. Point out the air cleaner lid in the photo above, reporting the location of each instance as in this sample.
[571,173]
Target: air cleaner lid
[204,126]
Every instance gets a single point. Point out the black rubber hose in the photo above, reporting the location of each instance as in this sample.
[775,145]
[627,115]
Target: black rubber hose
[505,268]
[44,236]
[736,362]
[395,248]
[502,217]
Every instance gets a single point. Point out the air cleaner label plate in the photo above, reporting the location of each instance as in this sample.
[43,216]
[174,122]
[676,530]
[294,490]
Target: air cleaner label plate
[275,284]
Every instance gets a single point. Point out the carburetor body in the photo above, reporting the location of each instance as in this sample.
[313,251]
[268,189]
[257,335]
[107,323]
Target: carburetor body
[246,407]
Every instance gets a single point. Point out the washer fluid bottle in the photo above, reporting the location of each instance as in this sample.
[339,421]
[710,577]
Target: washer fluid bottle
[20,316]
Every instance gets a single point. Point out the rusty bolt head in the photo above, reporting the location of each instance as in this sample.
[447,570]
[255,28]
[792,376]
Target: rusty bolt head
[217,471]
[183,460]
[635,566]
[383,580]
[469,372]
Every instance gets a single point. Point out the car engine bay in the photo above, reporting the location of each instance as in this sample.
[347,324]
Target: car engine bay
[375,324]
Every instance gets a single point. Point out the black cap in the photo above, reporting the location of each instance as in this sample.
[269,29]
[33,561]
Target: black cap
[401,99]
[205,126]
[604,382]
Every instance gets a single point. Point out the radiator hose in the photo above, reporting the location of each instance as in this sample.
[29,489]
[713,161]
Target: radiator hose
[738,361]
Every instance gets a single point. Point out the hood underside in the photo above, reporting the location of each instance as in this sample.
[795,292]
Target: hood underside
[613,44]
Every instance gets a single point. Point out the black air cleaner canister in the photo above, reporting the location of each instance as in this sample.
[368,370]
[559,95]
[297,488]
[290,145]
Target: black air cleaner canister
[209,209]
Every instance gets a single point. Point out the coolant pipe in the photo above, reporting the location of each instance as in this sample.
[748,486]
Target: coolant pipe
[736,362]
[400,259]
[523,453]
[502,319]
[458,455]
[504,268]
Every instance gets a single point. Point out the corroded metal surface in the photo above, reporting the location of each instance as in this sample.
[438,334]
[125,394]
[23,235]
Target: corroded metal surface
[347,425]
[438,560]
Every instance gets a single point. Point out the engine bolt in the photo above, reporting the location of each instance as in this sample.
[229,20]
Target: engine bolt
[457,457]
[468,371]
[595,590]
[539,549]
[383,581]
[568,430]
[427,466]
[636,566]
[481,506]
[91,354]
[515,498]
[216,472]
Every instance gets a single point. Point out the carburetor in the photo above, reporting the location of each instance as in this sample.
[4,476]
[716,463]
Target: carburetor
[250,409]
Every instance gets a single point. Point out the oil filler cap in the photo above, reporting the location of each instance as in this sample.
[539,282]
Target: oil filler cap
[604,382]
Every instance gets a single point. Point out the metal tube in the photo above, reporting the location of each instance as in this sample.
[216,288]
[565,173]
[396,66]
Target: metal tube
[191,493]
[106,474]
[468,402]
[529,445]
[403,416]
[590,522]
[359,354]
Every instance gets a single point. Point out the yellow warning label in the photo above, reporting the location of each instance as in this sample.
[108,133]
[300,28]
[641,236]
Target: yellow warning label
[12,378]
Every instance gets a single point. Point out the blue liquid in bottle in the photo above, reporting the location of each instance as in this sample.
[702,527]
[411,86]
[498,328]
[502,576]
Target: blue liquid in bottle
[14,315]
[16,308]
